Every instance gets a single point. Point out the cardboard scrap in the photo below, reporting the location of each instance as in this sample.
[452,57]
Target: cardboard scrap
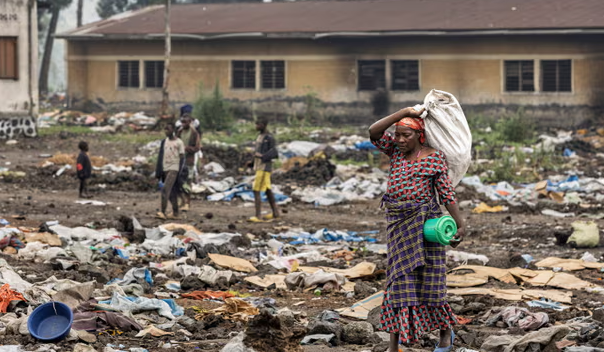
[357,271]
[479,275]
[186,227]
[348,286]
[515,294]
[484,208]
[44,237]
[238,264]
[233,309]
[278,280]
[361,309]
[568,264]
[153,331]
[541,188]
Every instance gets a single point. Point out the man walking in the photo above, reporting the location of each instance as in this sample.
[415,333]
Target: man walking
[266,151]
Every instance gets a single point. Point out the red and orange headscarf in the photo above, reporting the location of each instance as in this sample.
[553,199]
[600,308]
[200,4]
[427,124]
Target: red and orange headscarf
[414,124]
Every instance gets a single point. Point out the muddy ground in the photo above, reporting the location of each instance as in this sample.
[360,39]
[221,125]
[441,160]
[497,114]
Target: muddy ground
[40,197]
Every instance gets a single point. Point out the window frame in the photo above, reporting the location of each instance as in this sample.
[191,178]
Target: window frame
[570,78]
[359,71]
[255,75]
[14,41]
[118,73]
[158,73]
[520,77]
[392,63]
[260,83]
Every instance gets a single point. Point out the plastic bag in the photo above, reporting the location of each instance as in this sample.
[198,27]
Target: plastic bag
[447,130]
[585,234]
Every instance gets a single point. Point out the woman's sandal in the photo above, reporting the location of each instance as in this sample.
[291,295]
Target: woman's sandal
[448,348]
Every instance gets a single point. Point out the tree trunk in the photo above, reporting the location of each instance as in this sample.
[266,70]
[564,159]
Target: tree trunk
[165,95]
[52,28]
[79,13]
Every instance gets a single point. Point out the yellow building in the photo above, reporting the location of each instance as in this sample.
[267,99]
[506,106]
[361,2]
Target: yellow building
[494,55]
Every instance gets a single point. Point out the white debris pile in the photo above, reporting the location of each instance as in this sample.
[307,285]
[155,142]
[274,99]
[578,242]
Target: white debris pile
[348,185]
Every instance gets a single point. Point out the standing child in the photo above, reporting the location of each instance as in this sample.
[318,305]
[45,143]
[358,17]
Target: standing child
[266,151]
[83,169]
[190,138]
[170,163]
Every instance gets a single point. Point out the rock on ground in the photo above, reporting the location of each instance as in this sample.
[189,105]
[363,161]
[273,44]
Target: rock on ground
[358,333]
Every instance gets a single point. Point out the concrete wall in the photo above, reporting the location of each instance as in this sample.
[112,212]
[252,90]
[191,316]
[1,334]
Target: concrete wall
[469,67]
[20,97]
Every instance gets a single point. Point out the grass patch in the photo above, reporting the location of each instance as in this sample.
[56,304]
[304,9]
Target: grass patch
[518,167]
[55,130]
[245,133]
[502,142]
[140,138]
[241,133]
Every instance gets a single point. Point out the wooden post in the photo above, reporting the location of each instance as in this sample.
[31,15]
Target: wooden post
[165,95]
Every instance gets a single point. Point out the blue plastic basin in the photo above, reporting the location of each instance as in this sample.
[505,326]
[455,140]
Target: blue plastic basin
[46,324]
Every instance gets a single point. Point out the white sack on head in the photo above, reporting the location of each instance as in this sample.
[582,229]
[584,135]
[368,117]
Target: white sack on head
[447,130]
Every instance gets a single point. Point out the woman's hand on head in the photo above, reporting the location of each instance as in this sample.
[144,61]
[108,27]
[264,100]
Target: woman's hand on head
[411,112]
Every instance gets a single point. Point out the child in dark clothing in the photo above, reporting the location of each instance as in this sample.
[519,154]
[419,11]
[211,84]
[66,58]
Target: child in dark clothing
[84,169]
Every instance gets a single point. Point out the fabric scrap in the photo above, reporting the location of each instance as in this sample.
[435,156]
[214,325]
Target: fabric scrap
[201,295]
[233,309]
[7,295]
[88,318]
[546,338]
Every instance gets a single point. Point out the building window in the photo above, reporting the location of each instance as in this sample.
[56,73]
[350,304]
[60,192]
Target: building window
[405,74]
[519,76]
[556,75]
[154,74]
[273,74]
[9,68]
[372,74]
[243,74]
[129,76]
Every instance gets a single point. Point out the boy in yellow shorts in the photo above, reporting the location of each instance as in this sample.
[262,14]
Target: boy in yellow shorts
[266,151]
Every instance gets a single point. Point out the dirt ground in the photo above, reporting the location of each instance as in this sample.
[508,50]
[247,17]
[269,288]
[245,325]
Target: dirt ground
[40,197]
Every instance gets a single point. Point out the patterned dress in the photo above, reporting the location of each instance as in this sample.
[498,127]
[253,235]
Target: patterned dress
[415,297]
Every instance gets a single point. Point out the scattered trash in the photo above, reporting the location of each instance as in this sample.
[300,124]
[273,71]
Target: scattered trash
[484,208]
[520,317]
[323,338]
[585,235]
[7,296]
[360,310]
[458,256]
[543,303]
[557,214]
[514,294]
[232,263]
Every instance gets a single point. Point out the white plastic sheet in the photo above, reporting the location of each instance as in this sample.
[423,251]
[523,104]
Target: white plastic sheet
[301,148]
[237,345]
[141,304]
[448,130]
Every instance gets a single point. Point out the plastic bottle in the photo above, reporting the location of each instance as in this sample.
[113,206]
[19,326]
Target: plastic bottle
[276,246]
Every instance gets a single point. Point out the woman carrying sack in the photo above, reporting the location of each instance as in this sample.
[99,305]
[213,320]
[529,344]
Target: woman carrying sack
[414,299]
